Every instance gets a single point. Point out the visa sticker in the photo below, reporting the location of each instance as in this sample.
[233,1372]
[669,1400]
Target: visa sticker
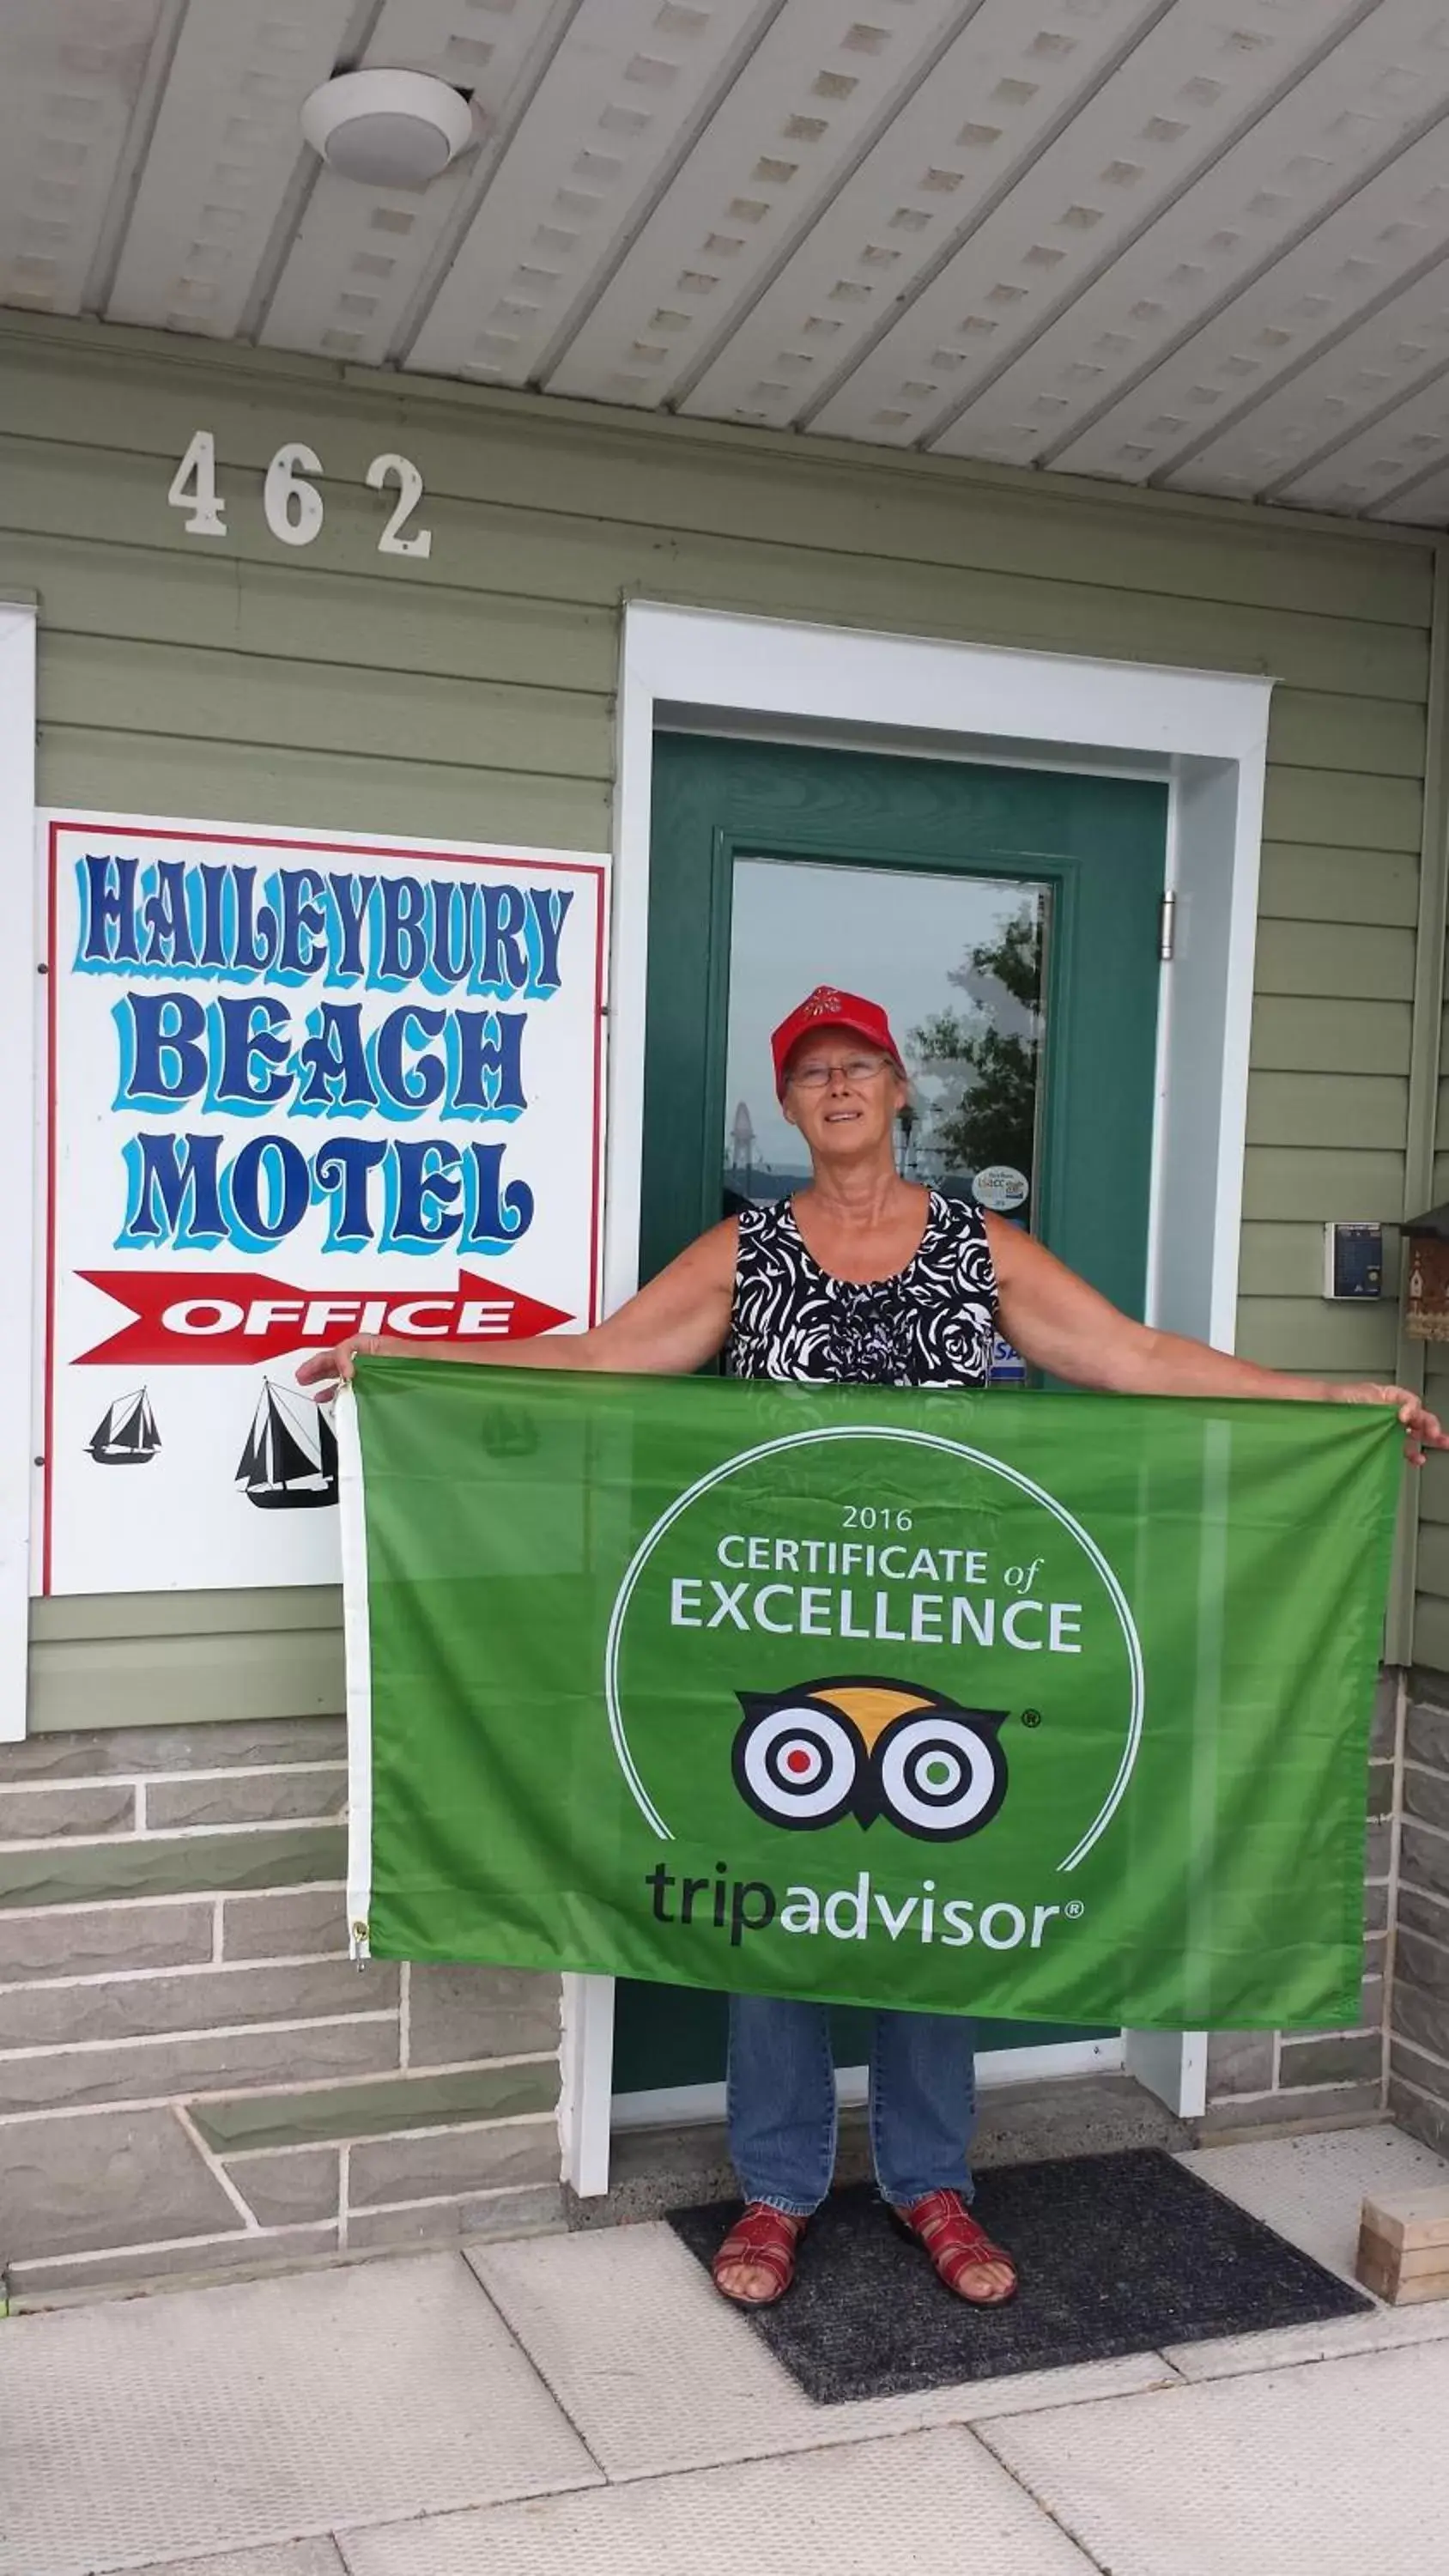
[1008,1368]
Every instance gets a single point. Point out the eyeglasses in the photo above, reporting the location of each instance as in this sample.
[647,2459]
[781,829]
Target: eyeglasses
[856,1068]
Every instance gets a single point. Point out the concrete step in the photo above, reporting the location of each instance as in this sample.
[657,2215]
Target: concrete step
[655,2170]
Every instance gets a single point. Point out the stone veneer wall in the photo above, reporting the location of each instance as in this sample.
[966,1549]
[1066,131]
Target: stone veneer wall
[193,2077]
[1419,2034]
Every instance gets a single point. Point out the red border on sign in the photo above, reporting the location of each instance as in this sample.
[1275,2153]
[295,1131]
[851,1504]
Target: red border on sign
[595,869]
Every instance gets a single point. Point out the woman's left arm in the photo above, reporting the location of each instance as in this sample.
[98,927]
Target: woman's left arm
[1060,1324]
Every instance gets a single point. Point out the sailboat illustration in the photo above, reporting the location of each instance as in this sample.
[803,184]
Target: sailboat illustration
[126,1435]
[290,1460]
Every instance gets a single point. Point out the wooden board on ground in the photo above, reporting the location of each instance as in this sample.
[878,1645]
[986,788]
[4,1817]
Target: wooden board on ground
[1403,2247]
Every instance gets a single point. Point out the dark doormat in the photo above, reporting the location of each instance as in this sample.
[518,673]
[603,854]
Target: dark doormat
[1117,2254]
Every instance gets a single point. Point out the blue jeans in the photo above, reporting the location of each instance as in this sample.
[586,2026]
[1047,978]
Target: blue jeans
[782,2103]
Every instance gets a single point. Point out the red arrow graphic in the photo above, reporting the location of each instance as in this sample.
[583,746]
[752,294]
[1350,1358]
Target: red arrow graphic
[231,1318]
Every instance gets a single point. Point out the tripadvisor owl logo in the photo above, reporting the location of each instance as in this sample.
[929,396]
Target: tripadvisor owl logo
[865,1747]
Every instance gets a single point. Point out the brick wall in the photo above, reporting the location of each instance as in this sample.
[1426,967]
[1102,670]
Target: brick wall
[1419,2036]
[193,2077]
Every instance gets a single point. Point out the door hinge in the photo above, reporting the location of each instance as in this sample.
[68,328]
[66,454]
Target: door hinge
[1167,927]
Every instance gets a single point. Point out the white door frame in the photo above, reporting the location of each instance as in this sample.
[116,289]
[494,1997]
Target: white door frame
[1203,733]
[20,1089]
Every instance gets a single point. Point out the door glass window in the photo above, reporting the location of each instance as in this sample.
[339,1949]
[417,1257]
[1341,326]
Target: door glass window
[959,964]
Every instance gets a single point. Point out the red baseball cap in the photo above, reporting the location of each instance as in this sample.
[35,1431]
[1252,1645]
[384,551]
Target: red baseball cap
[828,1008]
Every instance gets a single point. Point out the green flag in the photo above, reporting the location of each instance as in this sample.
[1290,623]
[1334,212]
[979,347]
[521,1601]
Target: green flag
[1043,1706]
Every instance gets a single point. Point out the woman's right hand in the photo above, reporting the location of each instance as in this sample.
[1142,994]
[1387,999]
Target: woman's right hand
[325,1371]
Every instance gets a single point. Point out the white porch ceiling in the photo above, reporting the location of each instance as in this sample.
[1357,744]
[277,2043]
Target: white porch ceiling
[1197,243]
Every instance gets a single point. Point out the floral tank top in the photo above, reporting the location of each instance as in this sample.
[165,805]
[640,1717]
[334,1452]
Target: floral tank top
[931,1324]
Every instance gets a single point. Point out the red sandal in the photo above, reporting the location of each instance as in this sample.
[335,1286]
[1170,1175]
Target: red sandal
[943,2224]
[767,2238]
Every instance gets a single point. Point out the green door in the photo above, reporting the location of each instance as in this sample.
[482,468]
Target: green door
[1008,919]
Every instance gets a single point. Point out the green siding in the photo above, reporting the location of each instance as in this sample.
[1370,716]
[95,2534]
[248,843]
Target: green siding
[1339,1341]
[1302,882]
[1431,1632]
[1322,731]
[1346,811]
[471,694]
[1335,960]
[350,713]
[1305,1185]
[119,773]
[165,1657]
[1302,1108]
[1431,1561]
[1292,1034]
[1431,1570]
[1434,1507]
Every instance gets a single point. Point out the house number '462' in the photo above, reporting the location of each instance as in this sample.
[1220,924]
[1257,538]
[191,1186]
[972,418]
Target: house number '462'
[291,502]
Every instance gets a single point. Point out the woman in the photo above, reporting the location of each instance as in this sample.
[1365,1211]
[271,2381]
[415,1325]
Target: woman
[866,1279]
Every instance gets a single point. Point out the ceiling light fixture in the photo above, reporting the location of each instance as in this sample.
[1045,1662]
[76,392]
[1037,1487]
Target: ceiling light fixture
[388,129]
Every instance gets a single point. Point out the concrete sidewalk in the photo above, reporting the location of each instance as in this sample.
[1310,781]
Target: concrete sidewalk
[586,2403]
